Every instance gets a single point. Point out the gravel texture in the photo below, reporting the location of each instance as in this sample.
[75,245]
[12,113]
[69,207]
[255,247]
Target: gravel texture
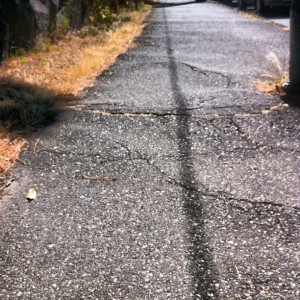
[172,179]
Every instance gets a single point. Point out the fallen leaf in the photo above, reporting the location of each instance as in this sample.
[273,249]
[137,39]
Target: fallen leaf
[31,195]
[265,112]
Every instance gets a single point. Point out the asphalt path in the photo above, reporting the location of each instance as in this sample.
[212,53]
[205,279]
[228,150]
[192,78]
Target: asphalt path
[172,179]
[282,21]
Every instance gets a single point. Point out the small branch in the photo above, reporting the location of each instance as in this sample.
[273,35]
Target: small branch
[8,183]
[35,145]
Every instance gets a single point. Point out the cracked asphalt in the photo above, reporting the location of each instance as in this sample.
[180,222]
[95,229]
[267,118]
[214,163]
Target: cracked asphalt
[204,201]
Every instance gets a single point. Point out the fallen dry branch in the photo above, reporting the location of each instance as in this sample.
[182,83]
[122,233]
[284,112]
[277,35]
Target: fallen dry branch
[35,146]
[7,183]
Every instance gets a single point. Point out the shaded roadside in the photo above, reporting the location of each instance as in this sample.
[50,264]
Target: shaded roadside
[24,106]
[24,109]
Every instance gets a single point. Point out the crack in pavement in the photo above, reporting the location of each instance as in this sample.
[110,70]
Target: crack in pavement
[182,111]
[102,160]
[142,113]
[251,140]
[228,79]
[202,190]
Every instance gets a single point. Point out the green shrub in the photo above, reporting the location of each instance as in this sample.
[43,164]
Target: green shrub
[105,12]
[44,44]
[64,22]
[126,19]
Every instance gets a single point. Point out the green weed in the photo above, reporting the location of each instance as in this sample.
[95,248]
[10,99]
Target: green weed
[23,60]
[44,44]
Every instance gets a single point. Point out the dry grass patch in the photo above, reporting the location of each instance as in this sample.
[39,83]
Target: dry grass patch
[275,76]
[72,63]
[10,147]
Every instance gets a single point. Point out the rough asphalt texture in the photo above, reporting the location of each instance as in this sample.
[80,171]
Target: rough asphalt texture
[201,195]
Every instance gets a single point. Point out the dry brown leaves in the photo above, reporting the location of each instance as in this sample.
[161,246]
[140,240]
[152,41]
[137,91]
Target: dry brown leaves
[10,148]
[266,87]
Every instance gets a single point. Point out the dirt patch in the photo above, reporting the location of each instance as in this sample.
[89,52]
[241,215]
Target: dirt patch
[267,87]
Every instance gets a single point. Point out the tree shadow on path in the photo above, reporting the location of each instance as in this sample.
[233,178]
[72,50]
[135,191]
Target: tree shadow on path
[25,106]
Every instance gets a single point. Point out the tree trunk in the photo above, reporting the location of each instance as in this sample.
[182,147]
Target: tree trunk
[4,39]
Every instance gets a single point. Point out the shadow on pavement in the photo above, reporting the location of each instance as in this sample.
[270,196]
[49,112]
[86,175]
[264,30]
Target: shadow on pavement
[24,106]
[170,4]
[293,101]
[202,267]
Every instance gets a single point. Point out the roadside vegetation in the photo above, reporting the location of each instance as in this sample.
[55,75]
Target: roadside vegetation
[274,77]
[35,83]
